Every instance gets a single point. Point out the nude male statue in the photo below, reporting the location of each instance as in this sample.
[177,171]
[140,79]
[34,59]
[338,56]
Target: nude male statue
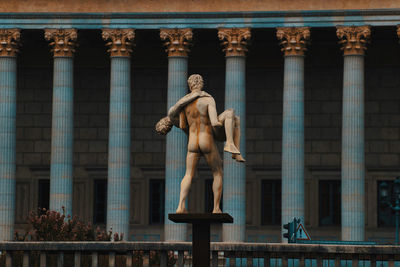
[196,114]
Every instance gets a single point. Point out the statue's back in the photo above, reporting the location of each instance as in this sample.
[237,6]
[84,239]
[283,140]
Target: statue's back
[200,131]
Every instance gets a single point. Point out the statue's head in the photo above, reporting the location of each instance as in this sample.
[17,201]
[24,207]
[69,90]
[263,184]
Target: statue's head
[195,82]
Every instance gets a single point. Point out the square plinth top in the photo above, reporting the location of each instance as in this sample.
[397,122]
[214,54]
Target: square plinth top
[200,217]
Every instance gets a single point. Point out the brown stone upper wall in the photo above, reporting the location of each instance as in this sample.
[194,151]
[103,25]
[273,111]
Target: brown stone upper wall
[189,5]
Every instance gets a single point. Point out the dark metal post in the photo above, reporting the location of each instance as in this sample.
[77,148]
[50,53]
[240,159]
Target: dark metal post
[396,208]
[201,233]
[201,244]
[397,225]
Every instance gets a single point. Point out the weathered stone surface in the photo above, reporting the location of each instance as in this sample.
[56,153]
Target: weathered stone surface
[312,159]
[25,146]
[330,159]
[389,159]
[97,146]
[32,159]
[320,146]
[142,159]
[42,146]
[81,146]
[88,133]
[32,133]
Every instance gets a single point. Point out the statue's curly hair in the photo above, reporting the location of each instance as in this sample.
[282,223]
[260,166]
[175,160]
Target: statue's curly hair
[195,81]
[164,126]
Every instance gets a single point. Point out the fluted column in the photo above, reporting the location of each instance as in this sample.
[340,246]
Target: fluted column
[234,43]
[9,39]
[293,42]
[119,142]
[62,42]
[353,41]
[177,47]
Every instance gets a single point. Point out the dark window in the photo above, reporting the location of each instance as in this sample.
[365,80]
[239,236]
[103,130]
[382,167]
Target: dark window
[157,200]
[100,201]
[329,202]
[386,216]
[44,194]
[271,202]
[209,197]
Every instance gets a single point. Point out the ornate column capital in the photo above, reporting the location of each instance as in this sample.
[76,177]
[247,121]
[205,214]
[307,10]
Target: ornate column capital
[353,39]
[9,42]
[119,44]
[293,40]
[62,41]
[234,40]
[177,41]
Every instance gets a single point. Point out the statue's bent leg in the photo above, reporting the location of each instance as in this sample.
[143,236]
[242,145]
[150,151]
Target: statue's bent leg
[236,139]
[228,119]
[192,159]
[214,161]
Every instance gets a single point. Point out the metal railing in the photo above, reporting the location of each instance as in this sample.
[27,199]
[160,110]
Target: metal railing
[222,254]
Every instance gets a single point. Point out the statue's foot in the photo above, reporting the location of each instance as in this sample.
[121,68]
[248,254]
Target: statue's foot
[180,210]
[217,210]
[231,148]
[238,158]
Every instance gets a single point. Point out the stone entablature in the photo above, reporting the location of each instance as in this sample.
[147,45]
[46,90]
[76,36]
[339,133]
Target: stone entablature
[199,20]
[62,41]
[119,44]
[234,40]
[189,6]
[9,39]
[353,39]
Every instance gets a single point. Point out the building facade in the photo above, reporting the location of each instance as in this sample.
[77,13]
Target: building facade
[83,84]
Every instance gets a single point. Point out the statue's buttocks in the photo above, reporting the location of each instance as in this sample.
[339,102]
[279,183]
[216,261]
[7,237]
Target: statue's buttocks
[201,136]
